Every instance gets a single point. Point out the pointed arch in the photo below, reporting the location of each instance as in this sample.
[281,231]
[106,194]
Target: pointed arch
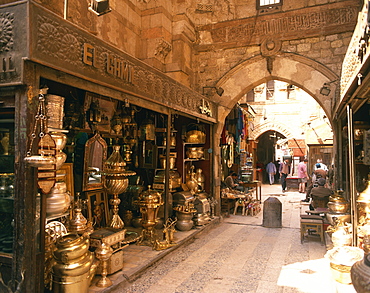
[303,72]
[273,126]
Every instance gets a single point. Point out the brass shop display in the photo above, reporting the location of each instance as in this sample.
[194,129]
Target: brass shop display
[116,182]
[172,140]
[174,180]
[172,160]
[203,209]
[182,198]
[195,134]
[195,152]
[6,185]
[149,202]
[147,130]
[74,265]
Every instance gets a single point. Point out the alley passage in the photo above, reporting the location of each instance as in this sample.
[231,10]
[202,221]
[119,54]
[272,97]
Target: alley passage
[239,255]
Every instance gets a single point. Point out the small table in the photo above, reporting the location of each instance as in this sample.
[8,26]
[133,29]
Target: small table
[254,184]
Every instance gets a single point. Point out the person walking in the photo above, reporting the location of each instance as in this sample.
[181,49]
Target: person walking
[271,171]
[302,176]
[284,171]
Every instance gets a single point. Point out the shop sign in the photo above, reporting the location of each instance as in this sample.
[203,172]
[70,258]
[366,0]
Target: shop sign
[114,66]
[12,43]
[59,44]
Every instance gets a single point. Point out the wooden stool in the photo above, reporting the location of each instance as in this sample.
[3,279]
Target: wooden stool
[312,222]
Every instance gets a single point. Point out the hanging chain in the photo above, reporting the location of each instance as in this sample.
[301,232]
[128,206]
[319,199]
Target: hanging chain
[40,118]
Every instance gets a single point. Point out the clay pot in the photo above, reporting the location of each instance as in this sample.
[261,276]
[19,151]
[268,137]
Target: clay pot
[360,275]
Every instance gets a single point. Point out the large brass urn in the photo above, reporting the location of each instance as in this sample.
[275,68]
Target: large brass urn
[149,202]
[115,182]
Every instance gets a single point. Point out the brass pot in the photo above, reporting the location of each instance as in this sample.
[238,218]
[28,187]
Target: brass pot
[60,140]
[57,200]
[195,136]
[338,207]
[184,220]
[172,160]
[71,246]
[195,152]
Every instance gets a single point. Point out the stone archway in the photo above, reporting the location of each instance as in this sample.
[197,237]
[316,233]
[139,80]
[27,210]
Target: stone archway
[274,126]
[295,69]
[303,72]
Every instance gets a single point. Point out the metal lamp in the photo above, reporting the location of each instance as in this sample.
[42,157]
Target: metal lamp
[99,7]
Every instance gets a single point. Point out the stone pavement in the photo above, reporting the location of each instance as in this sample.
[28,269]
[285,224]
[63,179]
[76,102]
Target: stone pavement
[237,255]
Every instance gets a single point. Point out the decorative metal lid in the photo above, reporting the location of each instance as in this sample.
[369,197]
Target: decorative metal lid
[115,165]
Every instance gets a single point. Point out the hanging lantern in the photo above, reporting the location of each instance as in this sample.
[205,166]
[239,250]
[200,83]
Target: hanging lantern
[147,130]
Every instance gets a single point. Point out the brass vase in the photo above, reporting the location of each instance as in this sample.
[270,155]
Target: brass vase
[57,200]
[116,182]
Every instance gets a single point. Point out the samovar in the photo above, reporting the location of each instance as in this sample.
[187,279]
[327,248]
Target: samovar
[115,182]
[149,202]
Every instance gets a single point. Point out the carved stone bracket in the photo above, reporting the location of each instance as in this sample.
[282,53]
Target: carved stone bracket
[163,49]
[270,47]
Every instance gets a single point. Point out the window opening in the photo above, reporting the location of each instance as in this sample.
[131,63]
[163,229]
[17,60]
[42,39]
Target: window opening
[270,88]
